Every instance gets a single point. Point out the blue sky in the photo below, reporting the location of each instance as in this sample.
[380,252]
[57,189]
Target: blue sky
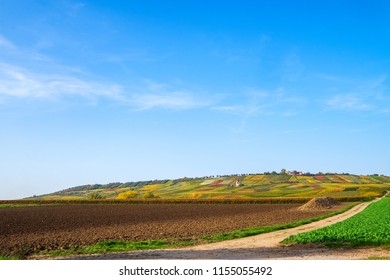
[108,91]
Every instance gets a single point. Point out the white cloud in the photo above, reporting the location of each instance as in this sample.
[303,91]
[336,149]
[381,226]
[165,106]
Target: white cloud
[29,75]
[264,102]
[228,108]
[18,82]
[364,95]
[26,74]
[20,79]
[348,102]
[4,43]
[21,83]
[155,95]
[244,110]
[174,100]
[259,102]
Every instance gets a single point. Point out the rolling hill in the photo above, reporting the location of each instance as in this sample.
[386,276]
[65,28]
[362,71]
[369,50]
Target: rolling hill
[269,185]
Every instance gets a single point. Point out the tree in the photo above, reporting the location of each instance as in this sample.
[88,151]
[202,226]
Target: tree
[283,172]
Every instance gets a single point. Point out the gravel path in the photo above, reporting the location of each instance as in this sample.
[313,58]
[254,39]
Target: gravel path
[263,246]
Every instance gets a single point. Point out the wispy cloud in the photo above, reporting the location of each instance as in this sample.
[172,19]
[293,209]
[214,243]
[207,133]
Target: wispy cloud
[264,102]
[364,95]
[18,82]
[157,95]
[172,100]
[348,102]
[5,43]
[26,75]
[257,102]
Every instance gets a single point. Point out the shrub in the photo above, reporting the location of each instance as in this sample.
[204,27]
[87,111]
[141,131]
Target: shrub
[127,195]
[149,195]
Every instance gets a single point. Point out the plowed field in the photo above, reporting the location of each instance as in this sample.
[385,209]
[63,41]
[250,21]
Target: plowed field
[61,226]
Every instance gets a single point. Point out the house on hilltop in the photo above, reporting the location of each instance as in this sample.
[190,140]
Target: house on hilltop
[295,173]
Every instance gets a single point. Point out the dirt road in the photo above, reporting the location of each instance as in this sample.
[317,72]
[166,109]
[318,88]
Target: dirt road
[263,246]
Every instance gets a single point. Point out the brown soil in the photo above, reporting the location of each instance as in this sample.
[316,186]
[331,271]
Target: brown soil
[263,246]
[319,203]
[59,226]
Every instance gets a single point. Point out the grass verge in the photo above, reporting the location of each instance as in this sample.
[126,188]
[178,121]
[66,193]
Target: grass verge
[378,258]
[3,258]
[108,247]
[17,205]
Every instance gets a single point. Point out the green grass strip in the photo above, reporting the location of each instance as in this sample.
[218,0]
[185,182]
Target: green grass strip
[109,247]
[17,205]
[378,258]
[4,258]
